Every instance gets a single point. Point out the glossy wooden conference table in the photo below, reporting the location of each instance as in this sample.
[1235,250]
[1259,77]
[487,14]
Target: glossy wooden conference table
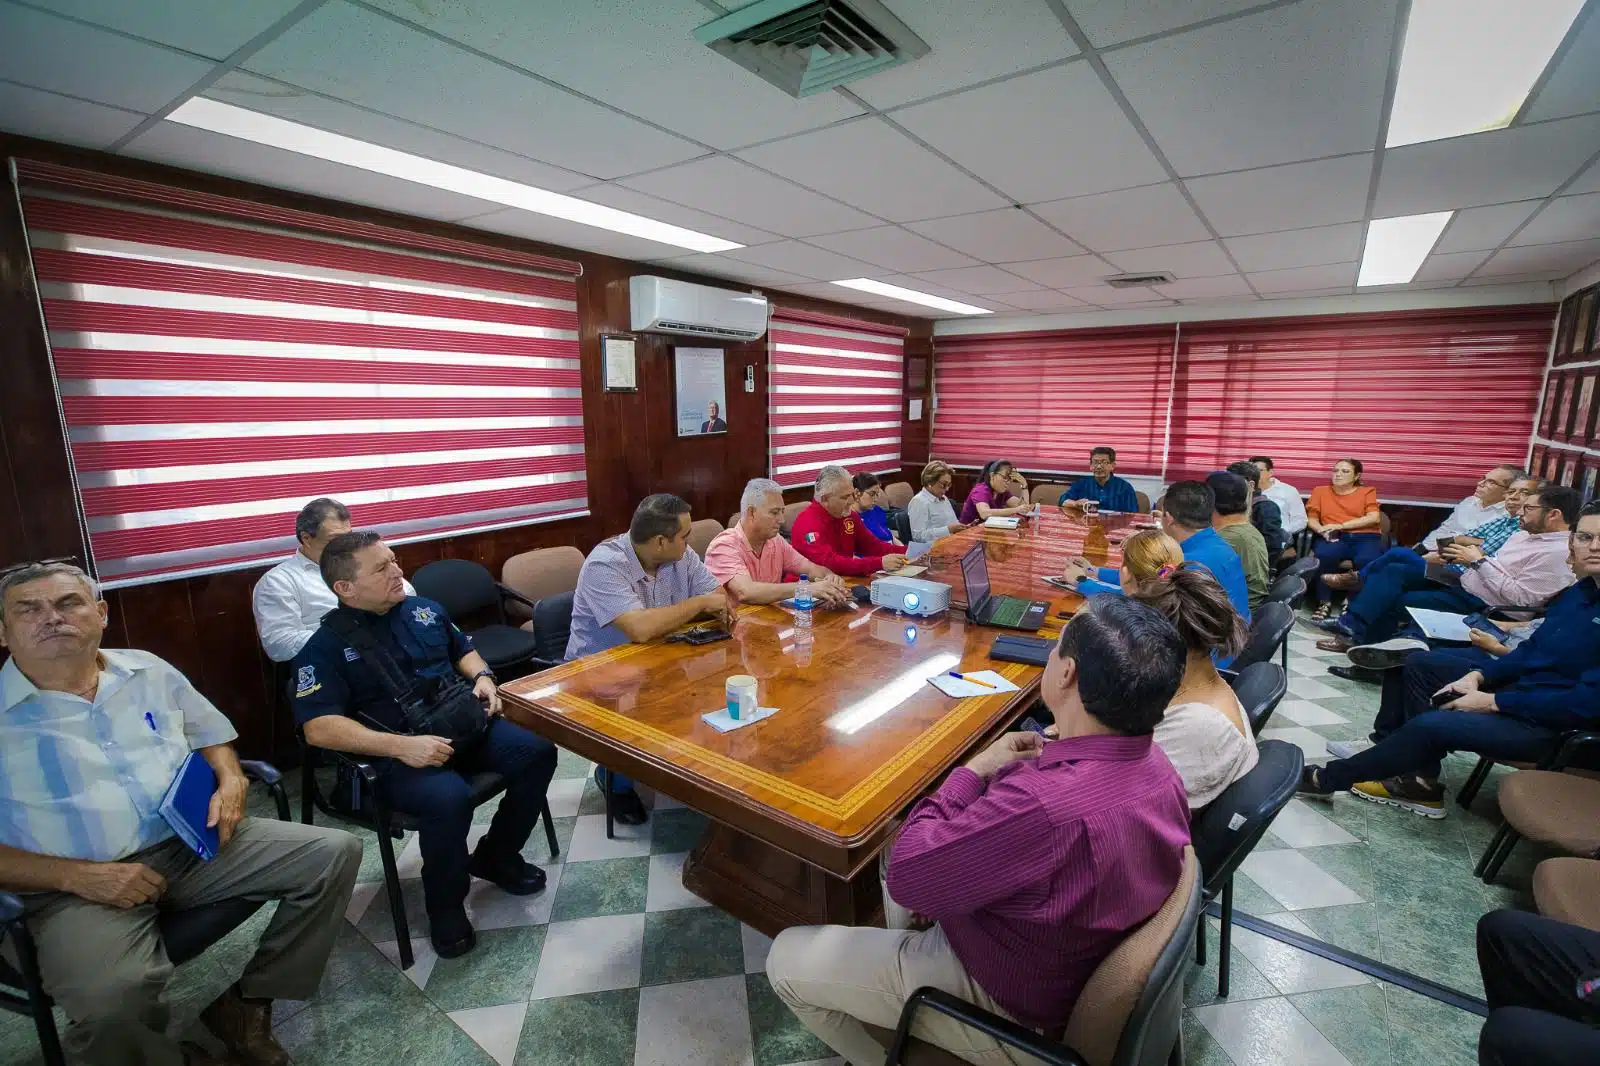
[803,801]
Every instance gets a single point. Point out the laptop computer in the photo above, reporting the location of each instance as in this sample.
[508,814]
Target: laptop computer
[1006,612]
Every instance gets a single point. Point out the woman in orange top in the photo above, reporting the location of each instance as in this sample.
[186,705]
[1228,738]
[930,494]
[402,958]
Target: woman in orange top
[1344,516]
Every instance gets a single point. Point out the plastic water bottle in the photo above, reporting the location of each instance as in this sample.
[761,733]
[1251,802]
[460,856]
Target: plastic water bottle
[802,603]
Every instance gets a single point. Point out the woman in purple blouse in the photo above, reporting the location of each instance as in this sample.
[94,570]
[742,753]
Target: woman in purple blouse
[992,496]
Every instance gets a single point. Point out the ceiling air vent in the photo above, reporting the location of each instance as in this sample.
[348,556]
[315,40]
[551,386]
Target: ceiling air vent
[1134,281]
[810,46]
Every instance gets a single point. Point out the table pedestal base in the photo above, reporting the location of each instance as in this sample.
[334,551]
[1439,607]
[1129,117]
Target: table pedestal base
[771,890]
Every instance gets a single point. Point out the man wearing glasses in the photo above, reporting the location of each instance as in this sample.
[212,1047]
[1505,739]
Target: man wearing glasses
[1102,485]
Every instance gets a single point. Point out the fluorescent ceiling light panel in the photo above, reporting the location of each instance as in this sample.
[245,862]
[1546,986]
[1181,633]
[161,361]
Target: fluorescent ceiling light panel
[231,121]
[1397,246]
[912,296]
[1468,64]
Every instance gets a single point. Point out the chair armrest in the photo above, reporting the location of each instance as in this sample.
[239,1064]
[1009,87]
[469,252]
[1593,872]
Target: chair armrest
[10,908]
[508,593]
[1002,1029]
[1572,744]
[368,772]
[543,664]
[263,772]
[1503,612]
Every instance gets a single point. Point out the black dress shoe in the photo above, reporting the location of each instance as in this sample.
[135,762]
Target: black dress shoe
[627,808]
[515,875]
[1357,673]
[452,936]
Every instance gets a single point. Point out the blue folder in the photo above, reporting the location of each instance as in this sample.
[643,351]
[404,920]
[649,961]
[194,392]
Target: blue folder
[187,805]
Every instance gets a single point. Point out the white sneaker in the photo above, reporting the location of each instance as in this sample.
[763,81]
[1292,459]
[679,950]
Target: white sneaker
[1344,749]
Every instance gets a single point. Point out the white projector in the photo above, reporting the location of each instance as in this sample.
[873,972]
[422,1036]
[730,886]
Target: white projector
[910,595]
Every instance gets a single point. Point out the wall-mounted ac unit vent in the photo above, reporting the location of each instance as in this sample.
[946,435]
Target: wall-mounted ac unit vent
[662,305]
[811,46]
[1134,281]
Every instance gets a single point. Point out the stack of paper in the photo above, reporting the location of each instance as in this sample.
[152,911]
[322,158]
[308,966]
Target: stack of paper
[955,686]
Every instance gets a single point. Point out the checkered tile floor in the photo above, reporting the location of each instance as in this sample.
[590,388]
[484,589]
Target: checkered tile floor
[615,963]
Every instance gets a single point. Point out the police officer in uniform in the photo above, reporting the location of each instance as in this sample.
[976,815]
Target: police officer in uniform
[342,704]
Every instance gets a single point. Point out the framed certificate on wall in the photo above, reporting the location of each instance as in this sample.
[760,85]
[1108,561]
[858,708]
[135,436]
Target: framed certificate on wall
[1552,464]
[1582,429]
[1536,460]
[1591,474]
[1569,469]
[1552,400]
[1583,324]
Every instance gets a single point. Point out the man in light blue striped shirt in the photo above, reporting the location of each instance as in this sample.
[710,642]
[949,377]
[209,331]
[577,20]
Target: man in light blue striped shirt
[90,740]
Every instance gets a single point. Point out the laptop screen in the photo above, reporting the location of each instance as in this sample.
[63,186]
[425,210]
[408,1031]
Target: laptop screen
[975,573]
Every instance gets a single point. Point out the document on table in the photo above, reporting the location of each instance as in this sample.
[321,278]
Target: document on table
[960,689]
[1002,522]
[1441,625]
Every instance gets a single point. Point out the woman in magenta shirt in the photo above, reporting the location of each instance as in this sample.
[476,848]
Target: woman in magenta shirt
[992,495]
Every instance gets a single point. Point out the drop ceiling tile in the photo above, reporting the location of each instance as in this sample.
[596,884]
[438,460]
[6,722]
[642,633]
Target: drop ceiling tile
[1450,266]
[36,113]
[1130,218]
[625,199]
[803,259]
[1572,87]
[1040,300]
[1500,166]
[1063,273]
[1588,181]
[1294,195]
[933,288]
[1109,24]
[1038,137]
[1514,279]
[1002,236]
[1565,218]
[1015,36]
[736,190]
[1291,83]
[1477,229]
[717,266]
[893,248]
[1325,276]
[1296,247]
[565,234]
[869,164]
[212,153]
[1106,296]
[205,27]
[1304,294]
[1197,259]
[1565,257]
[639,57]
[356,55]
[301,105]
[978,280]
[1205,288]
[46,52]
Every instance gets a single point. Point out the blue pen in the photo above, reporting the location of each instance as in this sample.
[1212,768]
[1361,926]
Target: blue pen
[150,720]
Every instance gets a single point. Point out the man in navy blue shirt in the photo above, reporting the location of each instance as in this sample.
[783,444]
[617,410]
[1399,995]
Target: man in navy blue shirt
[1103,486]
[343,706]
[1511,709]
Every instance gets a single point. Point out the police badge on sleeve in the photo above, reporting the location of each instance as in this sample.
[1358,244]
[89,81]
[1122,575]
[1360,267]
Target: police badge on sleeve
[424,616]
[305,682]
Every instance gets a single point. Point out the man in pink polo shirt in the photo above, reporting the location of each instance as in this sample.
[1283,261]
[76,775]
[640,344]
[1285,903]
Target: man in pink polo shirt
[754,563]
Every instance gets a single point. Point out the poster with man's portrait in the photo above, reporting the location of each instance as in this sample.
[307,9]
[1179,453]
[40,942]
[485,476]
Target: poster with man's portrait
[702,391]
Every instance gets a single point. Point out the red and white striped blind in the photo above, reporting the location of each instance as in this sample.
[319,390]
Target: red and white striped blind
[217,370]
[1043,400]
[834,396]
[1426,400]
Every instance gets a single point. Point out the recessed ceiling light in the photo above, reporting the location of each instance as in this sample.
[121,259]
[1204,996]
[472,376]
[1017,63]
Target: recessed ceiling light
[1468,65]
[912,296]
[1397,246]
[232,121]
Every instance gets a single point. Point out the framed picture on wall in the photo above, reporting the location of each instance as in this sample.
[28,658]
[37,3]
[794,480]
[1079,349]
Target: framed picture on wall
[1552,465]
[1552,400]
[1536,459]
[1569,469]
[1581,430]
[1583,323]
[701,388]
[1591,474]
[1564,328]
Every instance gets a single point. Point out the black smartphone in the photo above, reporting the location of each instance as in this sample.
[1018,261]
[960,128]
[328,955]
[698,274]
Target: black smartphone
[706,636]
[1444,696]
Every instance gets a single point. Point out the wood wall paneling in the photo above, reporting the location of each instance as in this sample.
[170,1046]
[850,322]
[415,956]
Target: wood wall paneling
[204,625]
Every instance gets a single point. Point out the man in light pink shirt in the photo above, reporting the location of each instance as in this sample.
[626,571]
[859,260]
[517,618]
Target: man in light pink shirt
[753,562]
[1531,567]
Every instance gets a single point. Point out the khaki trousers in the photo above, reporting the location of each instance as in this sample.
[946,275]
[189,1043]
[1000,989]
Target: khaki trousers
[106,967]
[834,978]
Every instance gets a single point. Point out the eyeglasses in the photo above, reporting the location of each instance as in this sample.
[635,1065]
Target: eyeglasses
[1496,484]
[1583,540]
[15,568]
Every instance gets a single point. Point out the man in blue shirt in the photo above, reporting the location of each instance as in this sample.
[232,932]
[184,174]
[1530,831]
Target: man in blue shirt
[342,704]
[1511,709]
[1103,486]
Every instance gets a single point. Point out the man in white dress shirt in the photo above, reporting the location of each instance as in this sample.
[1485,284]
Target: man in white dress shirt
[1486,504]
[1286,496]
[291,598]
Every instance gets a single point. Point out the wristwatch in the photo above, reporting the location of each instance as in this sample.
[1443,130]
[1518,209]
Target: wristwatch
[485,672]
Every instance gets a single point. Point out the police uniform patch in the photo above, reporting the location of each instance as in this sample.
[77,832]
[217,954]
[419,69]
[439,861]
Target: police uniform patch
[305,682]
[849,526]
[811,538]
[351,655]
[424,616]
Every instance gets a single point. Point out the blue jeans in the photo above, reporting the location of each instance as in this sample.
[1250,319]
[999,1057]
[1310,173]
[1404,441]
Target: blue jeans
[1358,549]
[1378,611]
[618,782]
[1413,738]
[1394,557]
[439,798]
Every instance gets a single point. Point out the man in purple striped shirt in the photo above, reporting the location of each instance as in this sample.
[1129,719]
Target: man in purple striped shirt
[1034,859]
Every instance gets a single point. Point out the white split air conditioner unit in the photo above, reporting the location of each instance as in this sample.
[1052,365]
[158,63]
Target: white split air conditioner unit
[660,305]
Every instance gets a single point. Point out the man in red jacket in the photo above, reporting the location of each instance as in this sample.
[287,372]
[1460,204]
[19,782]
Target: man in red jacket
[830,534]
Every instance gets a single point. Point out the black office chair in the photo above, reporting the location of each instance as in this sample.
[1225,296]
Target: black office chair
[185,934]
[365,805]
[900,524]
[552,629]
[462,588]
[1226,830]
[1288,589]
[1260,687]
[1270,624]
[1128,1013]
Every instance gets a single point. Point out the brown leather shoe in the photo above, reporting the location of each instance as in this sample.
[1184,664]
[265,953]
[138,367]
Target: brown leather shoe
[245,1028]
[1343,582]
[195,1055]
[1340,644]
